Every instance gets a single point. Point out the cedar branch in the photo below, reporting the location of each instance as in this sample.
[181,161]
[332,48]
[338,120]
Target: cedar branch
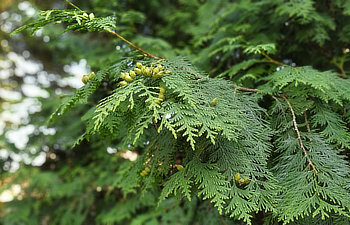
[298,134]
[271,60]
[245,89]
[341,68]
[294,122]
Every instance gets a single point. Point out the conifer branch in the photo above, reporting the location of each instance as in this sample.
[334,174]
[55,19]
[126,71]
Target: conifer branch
[131,44]
[272,60]
[298,134]
[342,71]
[245,89]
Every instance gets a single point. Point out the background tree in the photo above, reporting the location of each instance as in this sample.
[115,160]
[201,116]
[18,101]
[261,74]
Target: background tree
[238,113]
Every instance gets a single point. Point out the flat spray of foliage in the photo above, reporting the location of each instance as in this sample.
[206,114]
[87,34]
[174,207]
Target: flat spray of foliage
[274,152]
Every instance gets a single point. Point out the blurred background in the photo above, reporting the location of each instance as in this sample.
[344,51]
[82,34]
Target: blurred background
[30,73]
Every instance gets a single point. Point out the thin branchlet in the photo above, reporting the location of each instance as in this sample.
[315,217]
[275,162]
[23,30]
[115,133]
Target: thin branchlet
[271,60]
[294,122]
[130,43]
[245,89]
[298,134]
[74,6]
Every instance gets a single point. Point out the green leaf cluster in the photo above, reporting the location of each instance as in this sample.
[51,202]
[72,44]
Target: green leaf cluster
[262,99]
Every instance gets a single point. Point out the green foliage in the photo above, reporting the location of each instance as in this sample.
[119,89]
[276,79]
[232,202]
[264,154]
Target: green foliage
[81,96]
[312,83]
[318,193]
[286,131]
[73,19]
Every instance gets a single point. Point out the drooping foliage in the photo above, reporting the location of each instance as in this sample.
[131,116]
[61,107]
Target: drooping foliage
[248,124]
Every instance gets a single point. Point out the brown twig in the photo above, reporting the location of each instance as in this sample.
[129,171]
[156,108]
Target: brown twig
[245,89]
[131,44]
[342,74]
[272,60]
[298,134]
[294,121]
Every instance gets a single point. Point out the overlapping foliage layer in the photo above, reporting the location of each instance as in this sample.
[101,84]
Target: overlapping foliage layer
[263,139]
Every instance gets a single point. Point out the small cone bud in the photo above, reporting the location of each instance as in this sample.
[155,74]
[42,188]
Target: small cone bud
[237,177]
[246,180]
[91,75]
[85,15]
[147,72]
[158,75]
[213,103]
[179,167]
[132,74]
[91,16]
[123,83]
[162,90]
[128,78]
[157,101]
[85,79]
[156,70]
[153,73]
[168,72]
[139,65]
[143,71]
[143,173]
[241,181]
[138,71]
[122,75]
[147,169]
[161,96]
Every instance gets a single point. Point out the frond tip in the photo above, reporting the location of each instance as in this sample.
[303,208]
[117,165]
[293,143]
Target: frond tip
[73,19]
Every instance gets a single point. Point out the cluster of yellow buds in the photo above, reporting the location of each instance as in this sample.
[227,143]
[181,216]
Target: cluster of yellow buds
[145,172]
[86,78]
[127,77]
[153,71]
[90,16]
[241,181]
[160,95]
